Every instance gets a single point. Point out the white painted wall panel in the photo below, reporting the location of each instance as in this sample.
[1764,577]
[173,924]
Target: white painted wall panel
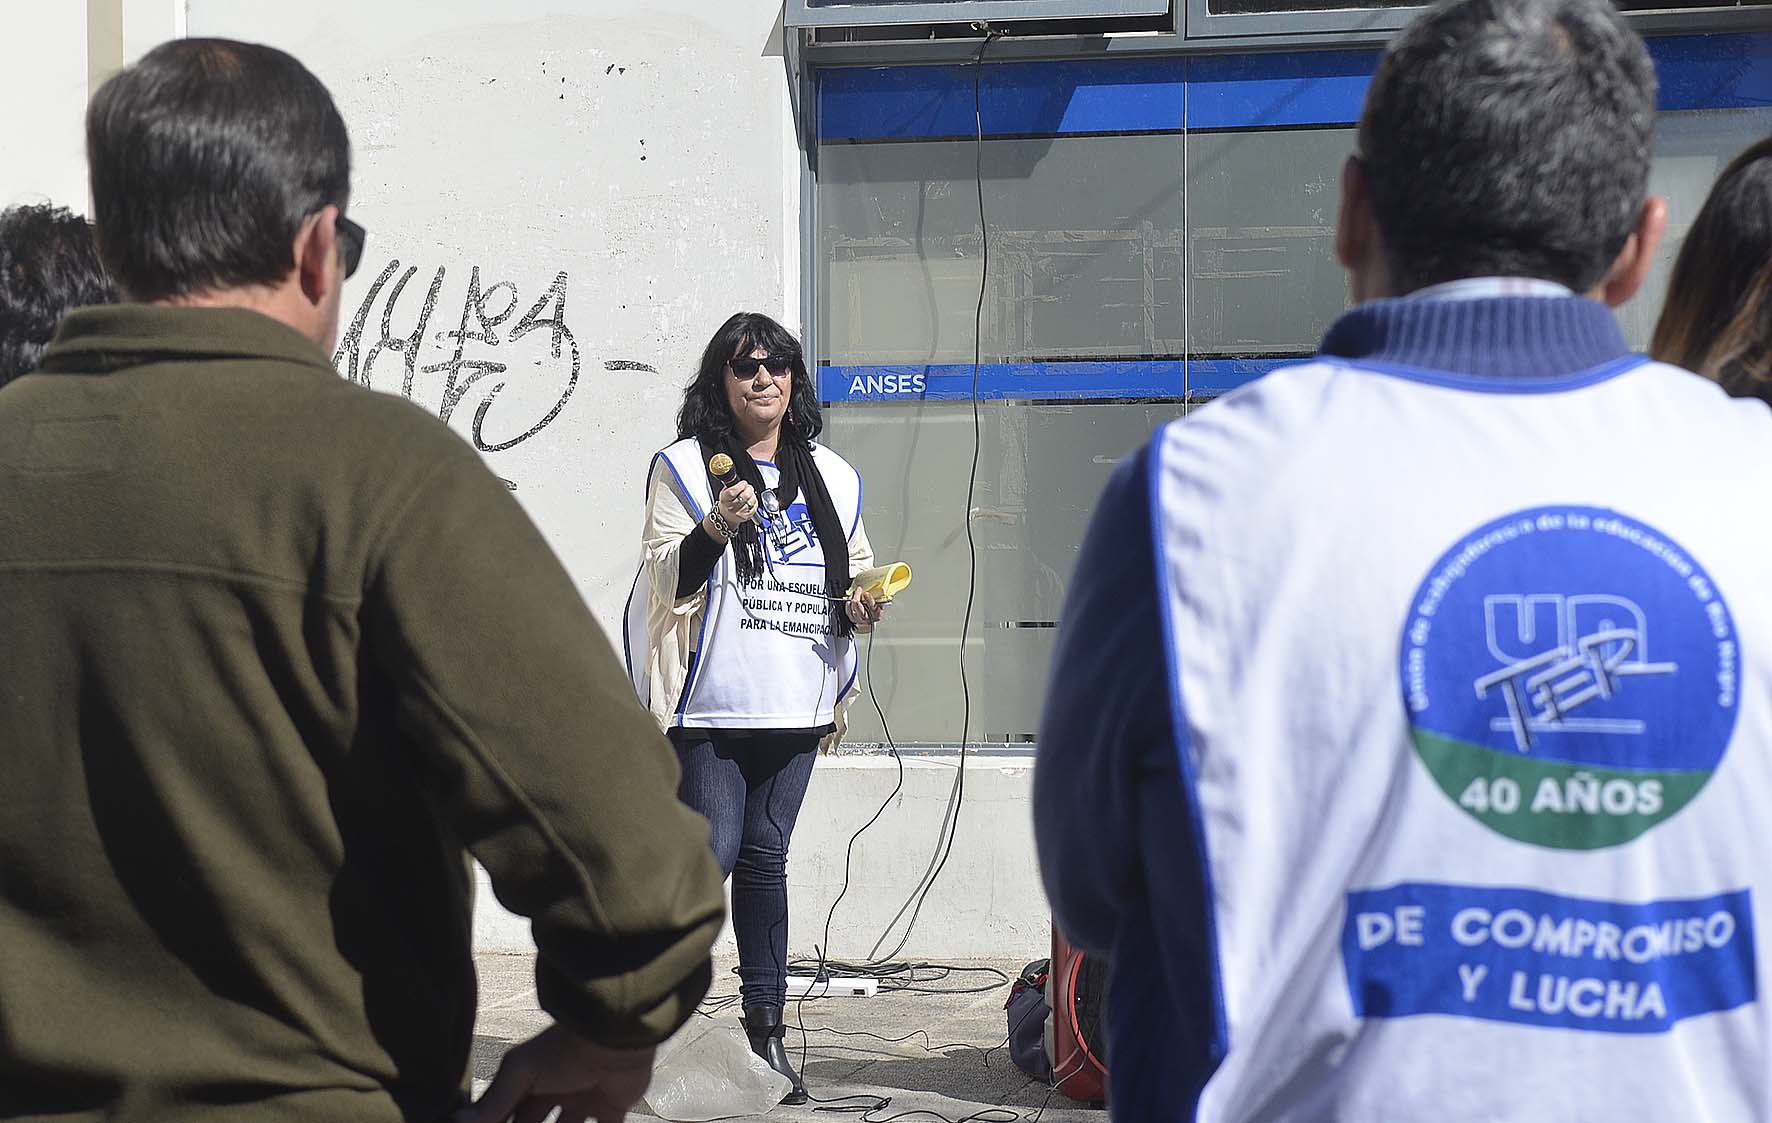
[43,84]
[612,173]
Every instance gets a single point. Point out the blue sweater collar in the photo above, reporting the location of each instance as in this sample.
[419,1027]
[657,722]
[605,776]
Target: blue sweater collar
[1498,337]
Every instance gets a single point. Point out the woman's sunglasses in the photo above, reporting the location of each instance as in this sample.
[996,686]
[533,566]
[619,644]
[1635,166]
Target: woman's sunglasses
[746,367]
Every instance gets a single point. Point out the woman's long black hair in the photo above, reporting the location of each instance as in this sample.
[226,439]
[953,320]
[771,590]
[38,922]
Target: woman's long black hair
[707,416]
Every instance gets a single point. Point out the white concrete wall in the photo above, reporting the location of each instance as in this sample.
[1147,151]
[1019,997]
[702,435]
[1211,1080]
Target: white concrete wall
[44,83]
[987,901]
[51,57]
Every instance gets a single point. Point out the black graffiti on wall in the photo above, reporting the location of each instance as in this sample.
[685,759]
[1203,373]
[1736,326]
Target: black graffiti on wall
[463,357]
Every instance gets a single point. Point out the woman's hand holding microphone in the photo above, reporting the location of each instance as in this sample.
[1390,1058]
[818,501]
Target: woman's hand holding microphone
[733,507]
[737,504]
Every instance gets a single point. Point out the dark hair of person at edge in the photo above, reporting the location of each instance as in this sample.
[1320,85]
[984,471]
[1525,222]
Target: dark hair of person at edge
[49,266]
[1525,155]
[1718,316]
[248,123]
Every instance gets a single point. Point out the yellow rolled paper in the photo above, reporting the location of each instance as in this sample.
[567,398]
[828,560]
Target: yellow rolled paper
[883,582]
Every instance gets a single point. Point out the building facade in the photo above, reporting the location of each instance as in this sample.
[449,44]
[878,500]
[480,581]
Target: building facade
[565,197]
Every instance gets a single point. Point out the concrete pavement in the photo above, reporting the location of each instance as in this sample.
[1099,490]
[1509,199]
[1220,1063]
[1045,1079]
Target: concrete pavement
[941,1053]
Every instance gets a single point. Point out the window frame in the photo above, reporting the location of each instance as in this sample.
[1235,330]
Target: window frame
[1200,23]
[891,13]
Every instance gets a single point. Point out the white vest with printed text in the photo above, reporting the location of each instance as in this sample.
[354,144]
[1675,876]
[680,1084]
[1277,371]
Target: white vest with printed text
[1481,756]
[767,655]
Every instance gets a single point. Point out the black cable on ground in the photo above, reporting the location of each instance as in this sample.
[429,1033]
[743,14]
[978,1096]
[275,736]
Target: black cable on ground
[906,977]
[849,854]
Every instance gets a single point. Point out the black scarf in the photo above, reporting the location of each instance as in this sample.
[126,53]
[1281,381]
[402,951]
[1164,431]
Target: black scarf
[793,460]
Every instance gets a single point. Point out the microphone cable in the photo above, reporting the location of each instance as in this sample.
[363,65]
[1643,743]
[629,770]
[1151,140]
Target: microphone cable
[823,948]
[957,793]
[944,845]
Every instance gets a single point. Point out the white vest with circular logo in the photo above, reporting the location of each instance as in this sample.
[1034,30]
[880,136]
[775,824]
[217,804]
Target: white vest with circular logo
[1497,847]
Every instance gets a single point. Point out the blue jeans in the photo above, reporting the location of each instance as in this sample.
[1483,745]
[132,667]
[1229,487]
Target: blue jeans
[750,789]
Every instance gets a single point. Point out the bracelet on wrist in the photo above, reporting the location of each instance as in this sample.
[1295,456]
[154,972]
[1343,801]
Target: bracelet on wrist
[725,529]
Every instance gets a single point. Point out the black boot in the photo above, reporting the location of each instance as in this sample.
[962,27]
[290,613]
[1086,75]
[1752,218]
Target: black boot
[762,1024]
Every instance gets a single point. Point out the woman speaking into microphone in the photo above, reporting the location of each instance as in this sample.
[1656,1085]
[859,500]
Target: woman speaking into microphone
[753,532]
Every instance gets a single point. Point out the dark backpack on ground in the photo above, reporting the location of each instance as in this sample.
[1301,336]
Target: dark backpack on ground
[1028,1011]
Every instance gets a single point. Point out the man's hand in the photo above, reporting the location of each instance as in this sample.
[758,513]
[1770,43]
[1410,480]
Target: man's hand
[558,1068]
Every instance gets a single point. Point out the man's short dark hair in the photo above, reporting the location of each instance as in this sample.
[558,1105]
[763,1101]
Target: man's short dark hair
[1509,138]
[206,157]
[48,266]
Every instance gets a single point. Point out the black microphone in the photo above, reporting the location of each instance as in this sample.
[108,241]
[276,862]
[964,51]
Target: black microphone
[720,467]
[767,514]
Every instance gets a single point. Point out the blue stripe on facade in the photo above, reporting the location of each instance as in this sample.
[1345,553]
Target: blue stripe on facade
[1714,71]
[1208,378]
[951,382]
[1237,91]
[1040,98]
[1278,90]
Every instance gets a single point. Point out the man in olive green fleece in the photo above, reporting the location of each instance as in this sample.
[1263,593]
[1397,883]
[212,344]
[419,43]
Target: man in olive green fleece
[277,649]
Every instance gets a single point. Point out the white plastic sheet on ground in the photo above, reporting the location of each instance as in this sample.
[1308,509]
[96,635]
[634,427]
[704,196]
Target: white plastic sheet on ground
[707,1071]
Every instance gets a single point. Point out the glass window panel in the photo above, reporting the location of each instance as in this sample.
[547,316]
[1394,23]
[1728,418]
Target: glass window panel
[1263,280]
[1041,467]
[1085,249]
[1262,208]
